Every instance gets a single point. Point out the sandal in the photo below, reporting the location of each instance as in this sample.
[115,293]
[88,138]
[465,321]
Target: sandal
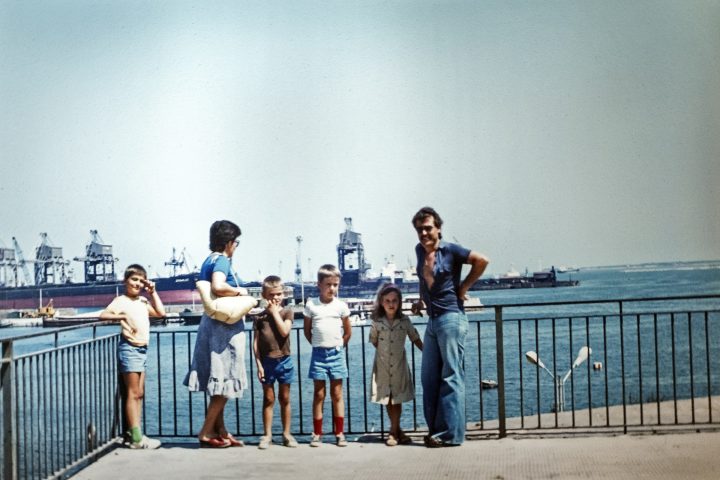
[233,442]
[403,439]
[391,442]
[214,442]
[433,442]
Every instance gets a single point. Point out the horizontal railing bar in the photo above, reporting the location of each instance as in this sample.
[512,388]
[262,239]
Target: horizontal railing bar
[615,300]
[592,316]
[66,346]
[56,330]
[490,305]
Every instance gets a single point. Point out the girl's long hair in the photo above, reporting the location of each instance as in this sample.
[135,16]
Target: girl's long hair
[378,309]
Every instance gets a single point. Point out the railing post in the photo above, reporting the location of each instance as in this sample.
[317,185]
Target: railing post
[500,371]
[622,366]
[7,382]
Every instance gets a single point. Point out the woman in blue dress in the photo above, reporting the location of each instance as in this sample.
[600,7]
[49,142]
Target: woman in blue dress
[218,363]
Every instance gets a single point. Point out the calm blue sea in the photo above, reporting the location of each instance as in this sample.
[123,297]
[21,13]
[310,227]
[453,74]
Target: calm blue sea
[658,351]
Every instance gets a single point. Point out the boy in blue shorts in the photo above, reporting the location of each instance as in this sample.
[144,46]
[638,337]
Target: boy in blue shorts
[273,360]
[133,311]
[327,328]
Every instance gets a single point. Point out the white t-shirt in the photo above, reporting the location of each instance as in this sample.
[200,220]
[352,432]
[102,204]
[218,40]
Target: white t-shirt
[327,331]
[137,329]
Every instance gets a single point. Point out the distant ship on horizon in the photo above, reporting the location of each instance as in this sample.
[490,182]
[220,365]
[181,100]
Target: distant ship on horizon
[358,282]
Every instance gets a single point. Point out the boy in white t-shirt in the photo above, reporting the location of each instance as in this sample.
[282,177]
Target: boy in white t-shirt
[133,311]
[327,328]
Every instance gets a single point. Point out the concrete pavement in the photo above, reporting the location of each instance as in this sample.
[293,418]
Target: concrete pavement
[633,456]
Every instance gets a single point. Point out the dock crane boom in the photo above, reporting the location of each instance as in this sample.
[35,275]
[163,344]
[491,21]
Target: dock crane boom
[8,266]
[49,262]
[22,262]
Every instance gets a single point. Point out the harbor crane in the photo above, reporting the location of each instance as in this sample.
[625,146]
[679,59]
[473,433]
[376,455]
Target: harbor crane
[351,256]
[8,266]
[99,261]
[22,263]
[49,263]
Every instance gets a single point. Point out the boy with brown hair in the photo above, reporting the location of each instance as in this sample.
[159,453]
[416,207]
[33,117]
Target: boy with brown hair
[327,328]
[273,360]
[133,311]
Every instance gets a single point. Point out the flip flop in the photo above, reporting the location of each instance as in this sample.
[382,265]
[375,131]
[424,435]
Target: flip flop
[214,442]
[233,441]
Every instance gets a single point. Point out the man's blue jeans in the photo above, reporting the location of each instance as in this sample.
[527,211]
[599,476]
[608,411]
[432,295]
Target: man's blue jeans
[443,377]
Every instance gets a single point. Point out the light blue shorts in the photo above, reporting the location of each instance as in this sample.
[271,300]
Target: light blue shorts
[131,358]
[328,363]
[280,369]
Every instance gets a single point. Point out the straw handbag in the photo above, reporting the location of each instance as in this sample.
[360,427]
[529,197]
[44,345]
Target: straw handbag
[224,309]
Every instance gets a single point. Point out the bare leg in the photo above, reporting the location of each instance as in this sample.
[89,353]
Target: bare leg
[268,404]
[284,394]
[214,420]
[318,399]
[394,411]
[336,395]
[134,384]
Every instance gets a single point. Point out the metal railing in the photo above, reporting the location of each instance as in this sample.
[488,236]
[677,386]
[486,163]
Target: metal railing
[59,405]
[647,369]
[653,364]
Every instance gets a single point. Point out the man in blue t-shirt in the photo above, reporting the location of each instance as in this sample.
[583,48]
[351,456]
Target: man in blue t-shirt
[439,267]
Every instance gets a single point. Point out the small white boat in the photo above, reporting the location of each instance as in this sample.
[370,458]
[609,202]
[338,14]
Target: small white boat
[567,269]
[173,317]
[488,384]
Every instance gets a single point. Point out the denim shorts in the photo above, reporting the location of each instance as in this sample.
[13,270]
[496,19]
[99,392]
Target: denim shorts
[131,358]
[328,363]
[280,369]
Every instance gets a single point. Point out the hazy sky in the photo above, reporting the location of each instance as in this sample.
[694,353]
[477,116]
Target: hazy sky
[564,132]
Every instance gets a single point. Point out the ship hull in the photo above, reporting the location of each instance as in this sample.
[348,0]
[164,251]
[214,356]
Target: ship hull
[369,289]
[179,290]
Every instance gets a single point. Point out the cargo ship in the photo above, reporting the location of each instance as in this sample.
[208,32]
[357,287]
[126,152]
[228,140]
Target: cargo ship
[50,283]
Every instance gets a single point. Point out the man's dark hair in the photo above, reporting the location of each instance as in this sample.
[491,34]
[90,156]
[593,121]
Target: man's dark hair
[425,212]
